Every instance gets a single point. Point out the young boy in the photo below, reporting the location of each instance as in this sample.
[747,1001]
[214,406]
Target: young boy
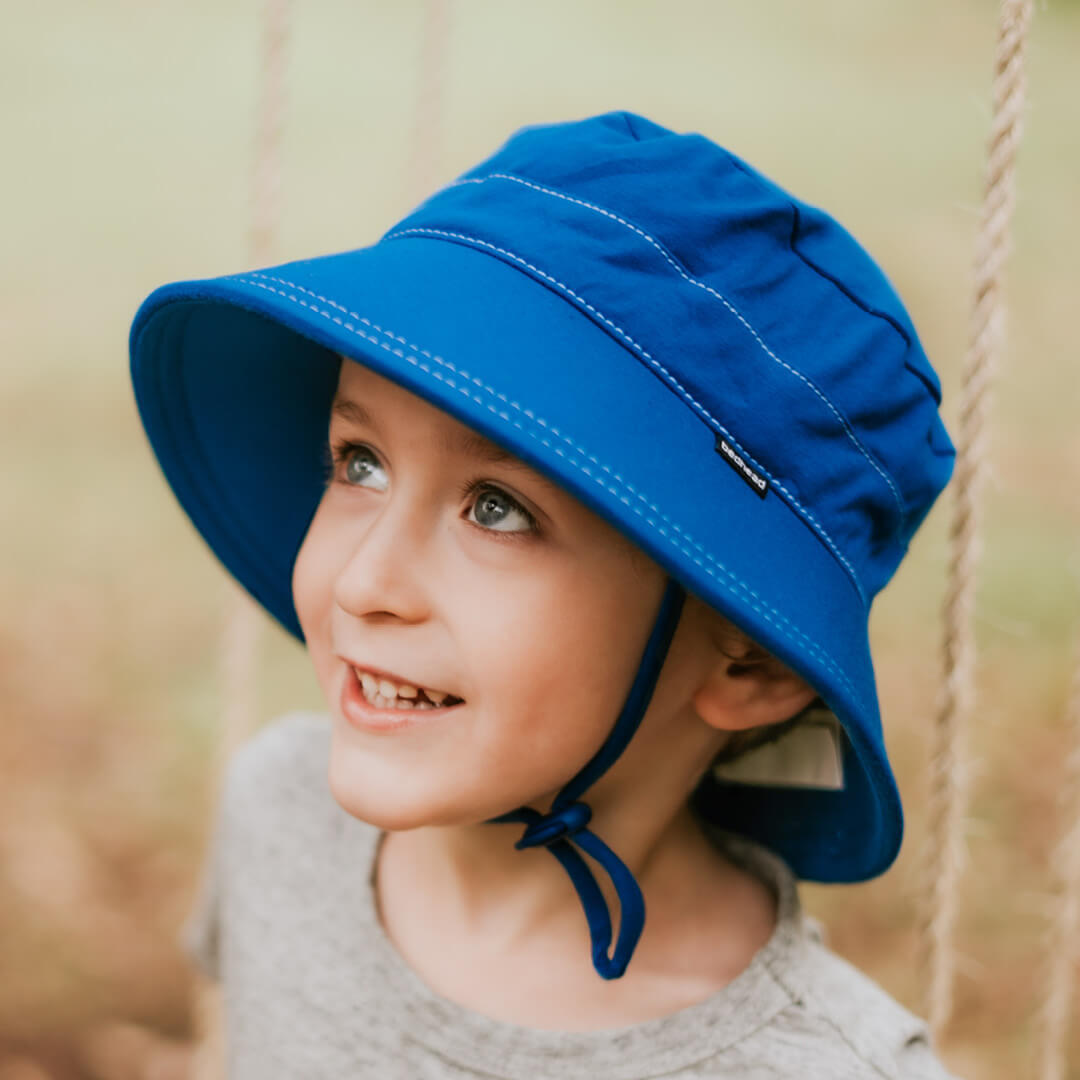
[578,486]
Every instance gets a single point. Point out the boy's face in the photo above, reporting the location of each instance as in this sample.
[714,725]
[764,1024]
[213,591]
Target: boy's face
[473,576]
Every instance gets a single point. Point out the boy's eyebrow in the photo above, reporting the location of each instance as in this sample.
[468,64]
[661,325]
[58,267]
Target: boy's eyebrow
[470,442]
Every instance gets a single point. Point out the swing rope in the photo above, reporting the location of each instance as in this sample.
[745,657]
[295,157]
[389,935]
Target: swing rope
[428,113]
[950,761]
[1063,931]
[240,642]
[240,639]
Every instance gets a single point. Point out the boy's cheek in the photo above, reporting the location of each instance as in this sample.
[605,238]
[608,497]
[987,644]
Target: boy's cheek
[299,589]
[310,586]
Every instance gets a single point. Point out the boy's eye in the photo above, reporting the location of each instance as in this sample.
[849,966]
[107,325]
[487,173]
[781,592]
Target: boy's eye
[493,507]
[359,463]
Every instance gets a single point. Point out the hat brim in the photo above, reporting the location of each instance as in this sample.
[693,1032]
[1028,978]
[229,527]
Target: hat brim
[233,379]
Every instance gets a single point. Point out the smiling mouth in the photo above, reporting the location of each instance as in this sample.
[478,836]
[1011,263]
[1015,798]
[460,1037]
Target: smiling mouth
[385,694]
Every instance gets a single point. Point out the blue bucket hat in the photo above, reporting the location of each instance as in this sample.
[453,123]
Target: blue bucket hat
[716,368]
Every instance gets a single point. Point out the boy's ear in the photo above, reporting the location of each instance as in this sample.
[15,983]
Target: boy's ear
[742,694]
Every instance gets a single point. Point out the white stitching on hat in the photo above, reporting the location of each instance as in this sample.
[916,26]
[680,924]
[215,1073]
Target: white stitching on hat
[818,528]
[708,288]
[780,621]
[815,524]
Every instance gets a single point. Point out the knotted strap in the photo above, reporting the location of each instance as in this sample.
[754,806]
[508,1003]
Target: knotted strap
[568,818]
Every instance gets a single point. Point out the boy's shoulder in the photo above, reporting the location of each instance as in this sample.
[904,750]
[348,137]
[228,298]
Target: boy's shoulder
[847,1006]
[826,1016]
[295,743]
[276,782]
[274,808]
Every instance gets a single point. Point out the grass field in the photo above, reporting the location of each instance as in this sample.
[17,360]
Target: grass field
[127,152]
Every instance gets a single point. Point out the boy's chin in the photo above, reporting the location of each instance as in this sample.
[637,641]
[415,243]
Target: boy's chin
[369,791]
[374,796]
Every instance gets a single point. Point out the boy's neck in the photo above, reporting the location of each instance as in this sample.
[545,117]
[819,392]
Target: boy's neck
[462,899]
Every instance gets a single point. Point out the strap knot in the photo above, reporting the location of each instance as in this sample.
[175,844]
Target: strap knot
[557,825]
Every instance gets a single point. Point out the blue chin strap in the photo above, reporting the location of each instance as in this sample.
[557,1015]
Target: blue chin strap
[567,819]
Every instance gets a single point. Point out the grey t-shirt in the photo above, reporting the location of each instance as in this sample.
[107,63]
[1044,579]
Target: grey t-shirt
[314,988]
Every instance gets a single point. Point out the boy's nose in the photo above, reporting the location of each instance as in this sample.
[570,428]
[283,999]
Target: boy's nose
[386,569]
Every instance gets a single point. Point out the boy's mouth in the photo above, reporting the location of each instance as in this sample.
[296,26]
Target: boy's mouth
[385,692]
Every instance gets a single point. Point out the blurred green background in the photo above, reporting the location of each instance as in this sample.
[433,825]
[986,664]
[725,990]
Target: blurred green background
[128,132]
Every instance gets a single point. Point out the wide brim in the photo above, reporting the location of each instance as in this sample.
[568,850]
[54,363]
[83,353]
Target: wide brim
[233,379]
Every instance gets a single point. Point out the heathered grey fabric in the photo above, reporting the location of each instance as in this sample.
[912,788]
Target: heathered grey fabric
[315,989]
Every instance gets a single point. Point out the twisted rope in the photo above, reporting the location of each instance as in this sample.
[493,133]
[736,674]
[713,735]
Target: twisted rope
[426,150]
[266,160]
[1064,928]
[950,764]
[240,642]
[240,639]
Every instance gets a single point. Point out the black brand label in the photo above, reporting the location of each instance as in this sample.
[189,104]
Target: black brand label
[734,459]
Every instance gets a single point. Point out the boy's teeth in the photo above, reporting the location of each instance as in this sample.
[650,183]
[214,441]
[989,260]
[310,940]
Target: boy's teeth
[393,703]
[384,693]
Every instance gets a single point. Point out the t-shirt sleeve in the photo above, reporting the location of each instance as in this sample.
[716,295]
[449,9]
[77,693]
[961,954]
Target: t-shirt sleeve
[200,934]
